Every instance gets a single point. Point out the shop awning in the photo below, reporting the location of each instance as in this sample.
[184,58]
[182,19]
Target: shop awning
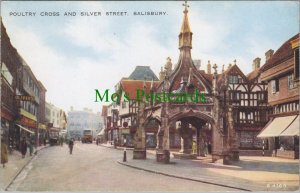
[25,129]
[293,129]
[277,126]
[101,132]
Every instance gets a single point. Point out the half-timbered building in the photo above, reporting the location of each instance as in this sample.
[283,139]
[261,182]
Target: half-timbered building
[247,96]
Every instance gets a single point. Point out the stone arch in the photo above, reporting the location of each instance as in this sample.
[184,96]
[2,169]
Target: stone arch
[209,119]
[150,118]
[198,120]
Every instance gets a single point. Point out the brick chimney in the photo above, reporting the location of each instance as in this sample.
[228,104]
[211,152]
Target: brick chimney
[269,54]
[256,63]
[208,67]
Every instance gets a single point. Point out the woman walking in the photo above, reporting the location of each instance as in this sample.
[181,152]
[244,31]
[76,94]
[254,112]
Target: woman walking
[23,147]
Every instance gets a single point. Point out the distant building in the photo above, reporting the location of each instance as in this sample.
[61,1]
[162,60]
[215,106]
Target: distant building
[81,120]
[142,73]
[55,117]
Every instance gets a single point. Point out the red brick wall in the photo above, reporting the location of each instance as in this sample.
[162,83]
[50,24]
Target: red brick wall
[284,92]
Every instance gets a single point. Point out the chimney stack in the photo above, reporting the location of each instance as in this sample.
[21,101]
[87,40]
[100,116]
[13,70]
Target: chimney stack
[256,63]
[208,67]
[269,54]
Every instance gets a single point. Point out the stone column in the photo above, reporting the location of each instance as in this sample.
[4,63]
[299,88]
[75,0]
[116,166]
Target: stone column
[186,136]
[233,145]
[139,151]
[163,150]
[201,143]
[159,137]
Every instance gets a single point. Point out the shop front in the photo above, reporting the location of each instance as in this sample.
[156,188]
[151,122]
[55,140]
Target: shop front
[7,127]
[126,137]
[28,127]
[284,133]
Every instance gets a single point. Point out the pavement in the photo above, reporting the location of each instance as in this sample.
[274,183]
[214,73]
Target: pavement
[93,168]
[14,166]
[251,173]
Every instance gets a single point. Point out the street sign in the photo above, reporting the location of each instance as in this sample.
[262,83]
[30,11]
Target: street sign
[24,98]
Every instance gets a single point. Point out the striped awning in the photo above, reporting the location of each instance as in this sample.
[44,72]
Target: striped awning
[276,126]
[293,129]
[25,129]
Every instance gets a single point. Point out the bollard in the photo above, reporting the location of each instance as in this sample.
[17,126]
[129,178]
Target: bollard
[263,147]
[124,155]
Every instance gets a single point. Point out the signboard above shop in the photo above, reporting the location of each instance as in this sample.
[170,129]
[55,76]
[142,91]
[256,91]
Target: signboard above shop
[24,98]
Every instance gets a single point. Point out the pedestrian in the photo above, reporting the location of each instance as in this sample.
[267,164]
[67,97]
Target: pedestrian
[23,147]
[30,145]
[194,146]
[61,141]
[71,144]
[205,149]
[209,147]
[97,141]
[45,141]
[124,142]
[4,156]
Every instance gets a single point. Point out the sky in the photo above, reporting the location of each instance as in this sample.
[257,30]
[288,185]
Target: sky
[74,55]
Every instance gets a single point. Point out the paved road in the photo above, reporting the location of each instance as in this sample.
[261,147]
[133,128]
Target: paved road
[94,168]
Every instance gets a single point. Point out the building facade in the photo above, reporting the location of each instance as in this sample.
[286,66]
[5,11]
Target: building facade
[22,96]
[247,96]
[281,72]
[81,120]
[11,84]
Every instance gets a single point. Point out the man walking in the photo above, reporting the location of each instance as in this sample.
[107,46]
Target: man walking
[71,144]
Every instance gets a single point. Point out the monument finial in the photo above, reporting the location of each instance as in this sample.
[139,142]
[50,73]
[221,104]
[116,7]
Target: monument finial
[186,6]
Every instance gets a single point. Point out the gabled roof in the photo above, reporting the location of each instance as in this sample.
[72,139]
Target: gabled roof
[229,71]
[253,75]
[143,73]
[208,77]
[283,53]
[130,87]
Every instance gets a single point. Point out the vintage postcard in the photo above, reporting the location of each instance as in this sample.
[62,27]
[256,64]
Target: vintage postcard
[139,96]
